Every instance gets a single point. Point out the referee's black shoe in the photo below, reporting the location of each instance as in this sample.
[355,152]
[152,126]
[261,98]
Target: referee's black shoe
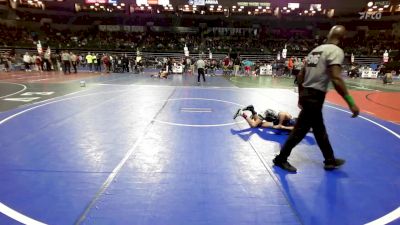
[333,164]
[284,165]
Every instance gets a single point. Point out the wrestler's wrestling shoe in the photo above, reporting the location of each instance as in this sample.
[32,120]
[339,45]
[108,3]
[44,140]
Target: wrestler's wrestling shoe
[239,112]
[249,108]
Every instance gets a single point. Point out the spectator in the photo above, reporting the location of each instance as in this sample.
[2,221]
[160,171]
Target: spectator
[74,61]
[66,59]
[89,61]
[27,62]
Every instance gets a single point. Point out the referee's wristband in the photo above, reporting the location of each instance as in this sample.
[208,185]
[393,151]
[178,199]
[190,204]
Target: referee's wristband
[349,100]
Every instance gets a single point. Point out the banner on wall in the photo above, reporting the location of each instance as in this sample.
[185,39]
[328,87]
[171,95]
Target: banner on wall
[138,29]
[114,28]
[127,28]
[102,27]
[211,2]
[197,2]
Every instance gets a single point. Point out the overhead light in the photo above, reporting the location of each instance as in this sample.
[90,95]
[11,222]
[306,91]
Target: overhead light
[220,6]
[211,9]
[370,10]
[92,6]
[122,4]
[240,10]
[259,7]
[386,6]
[370,4]
[288,11]
[256,10]
[305,11]
[264,10]
[267,7]
[374,7]
[284,8]
[114,4]
[380,9]
[242,7]
[249,12]
[234,7]
[141,7]
[118,7]
[225,10]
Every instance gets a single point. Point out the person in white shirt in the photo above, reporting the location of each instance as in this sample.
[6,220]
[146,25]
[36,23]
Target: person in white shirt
[201,65]
[27,61]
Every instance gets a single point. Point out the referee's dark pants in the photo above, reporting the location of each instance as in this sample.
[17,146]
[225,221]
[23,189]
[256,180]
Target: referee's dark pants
[67,66]
[310,116]
[200,71]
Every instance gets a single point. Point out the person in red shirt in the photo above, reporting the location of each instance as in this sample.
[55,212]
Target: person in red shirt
[38,63]
[106,62]
[226,62]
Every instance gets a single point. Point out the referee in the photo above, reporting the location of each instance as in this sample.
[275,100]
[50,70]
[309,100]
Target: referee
[323,64]
[201,65]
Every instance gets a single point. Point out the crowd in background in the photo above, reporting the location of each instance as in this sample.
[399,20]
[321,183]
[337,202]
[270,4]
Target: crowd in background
[231,65]
[263,42]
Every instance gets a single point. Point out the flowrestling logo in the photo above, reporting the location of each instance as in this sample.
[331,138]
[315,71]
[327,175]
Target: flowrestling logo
[373,16]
